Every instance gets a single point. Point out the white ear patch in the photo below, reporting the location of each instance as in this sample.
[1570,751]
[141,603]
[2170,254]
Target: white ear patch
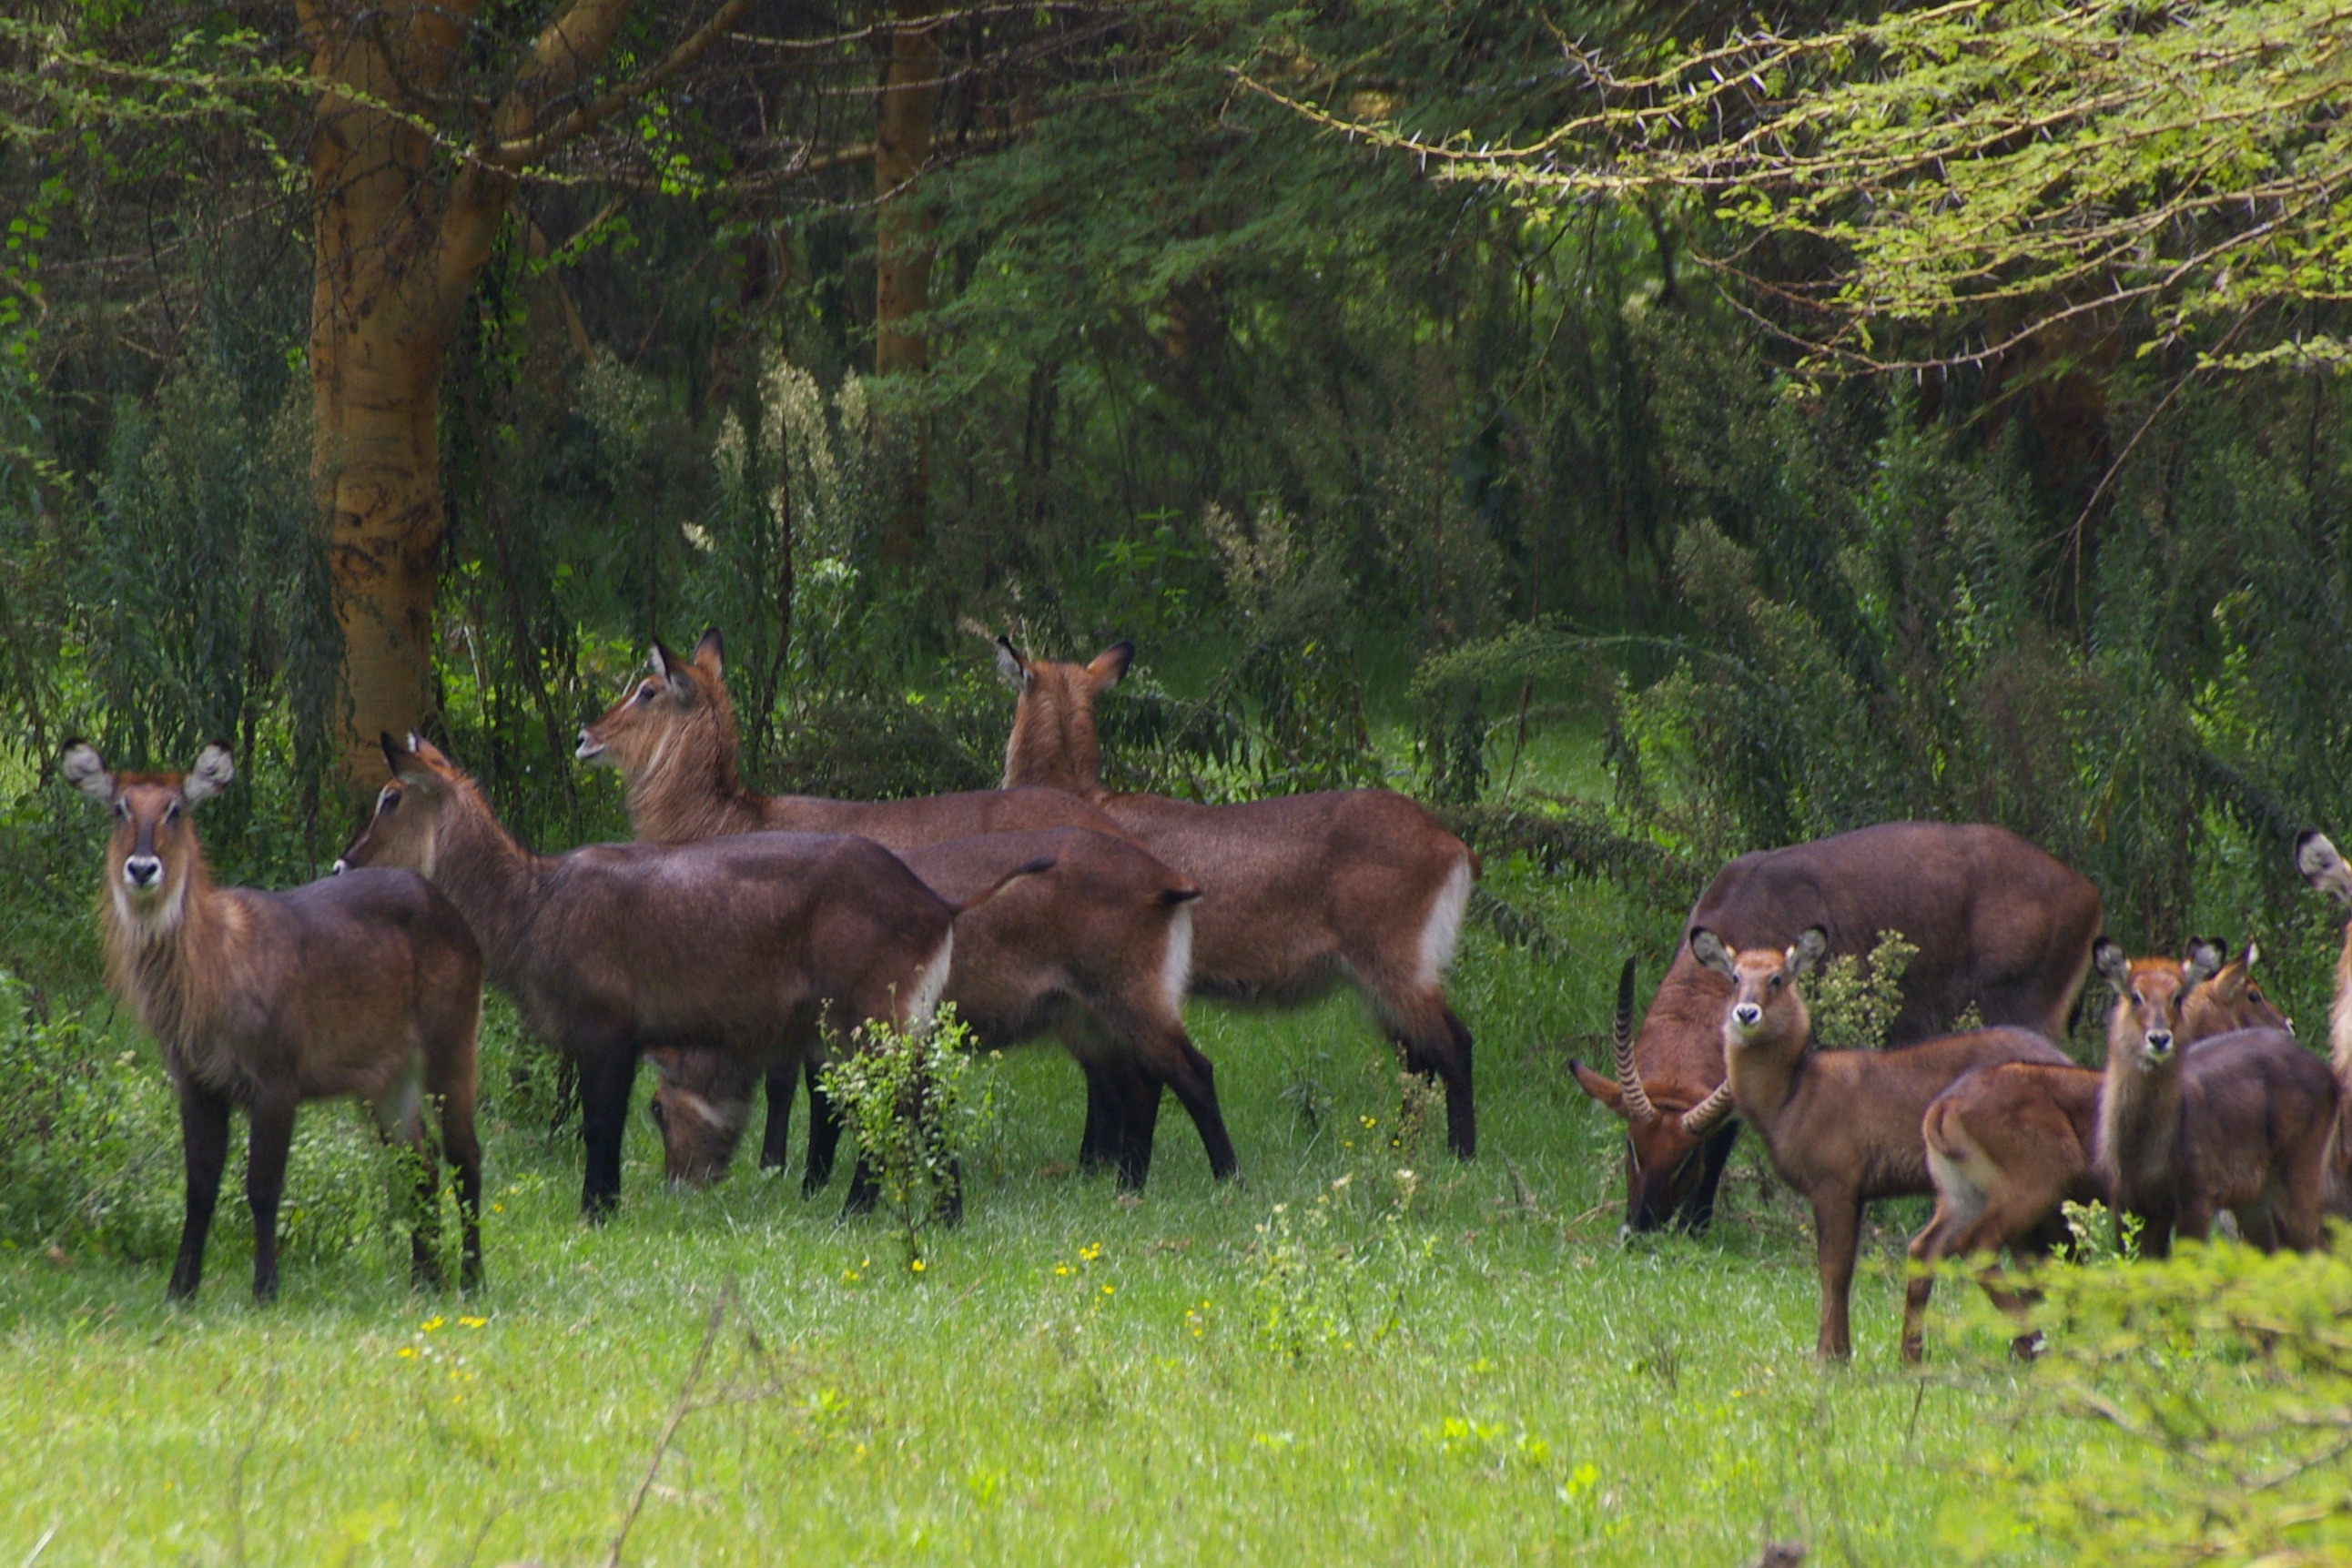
[210,776]
[1009,667]
[85,769]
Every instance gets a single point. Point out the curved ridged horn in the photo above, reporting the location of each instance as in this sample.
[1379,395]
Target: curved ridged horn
[1703,1118]
[1637,1101]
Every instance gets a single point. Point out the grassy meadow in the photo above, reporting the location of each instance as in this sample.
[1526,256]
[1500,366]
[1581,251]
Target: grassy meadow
[1313,1365]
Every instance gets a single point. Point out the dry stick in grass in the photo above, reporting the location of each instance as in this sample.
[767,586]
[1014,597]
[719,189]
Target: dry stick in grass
[679,1410]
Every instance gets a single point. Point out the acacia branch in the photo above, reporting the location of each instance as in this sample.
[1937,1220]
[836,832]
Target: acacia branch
[514,153]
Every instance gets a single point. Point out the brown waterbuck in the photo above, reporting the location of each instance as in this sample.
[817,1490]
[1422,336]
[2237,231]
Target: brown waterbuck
[1841,1126]
[1080,937]
[2244,1122]
[1097,950]
[2000,926]
[1299,891]
[2326,870]
[763,945]
[364,985]
[2010,1145]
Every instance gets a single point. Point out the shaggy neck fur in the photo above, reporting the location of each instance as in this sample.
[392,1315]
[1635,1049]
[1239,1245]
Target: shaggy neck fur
[169,964]
[689,788]
[495,882]
[2139,1109]
[1052,744]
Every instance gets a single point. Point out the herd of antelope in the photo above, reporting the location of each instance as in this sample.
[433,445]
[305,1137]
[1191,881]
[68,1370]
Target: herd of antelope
[742,937]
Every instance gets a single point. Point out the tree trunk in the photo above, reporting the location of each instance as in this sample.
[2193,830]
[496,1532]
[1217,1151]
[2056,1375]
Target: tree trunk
[902,268]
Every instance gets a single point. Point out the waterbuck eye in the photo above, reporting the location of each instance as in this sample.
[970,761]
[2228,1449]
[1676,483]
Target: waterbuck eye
[1777,981]
[646,693]
[122,811]
[386,801]
[170,813]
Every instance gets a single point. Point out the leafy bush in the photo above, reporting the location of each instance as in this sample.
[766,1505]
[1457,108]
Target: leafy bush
[915,1101]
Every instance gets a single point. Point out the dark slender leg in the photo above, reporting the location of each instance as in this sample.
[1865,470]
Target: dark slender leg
[1442,1054]
[823,1137]
[1106,1115]
[1195,1086]
[606,1076]
[1837,1228]
[424,1222]
[783,1080]
[272,1136]
[864,1190]
[1143,1126]
[466,1156]
[1698,1208]
[203,1146]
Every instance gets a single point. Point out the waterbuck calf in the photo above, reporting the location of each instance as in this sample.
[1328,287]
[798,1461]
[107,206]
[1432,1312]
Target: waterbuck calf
[2244,1122]
[2010,1145]
[2000,926]
[1299,891]
[1841,1126]
[1097,951]
[1103,932]
[762,946]
[366,985]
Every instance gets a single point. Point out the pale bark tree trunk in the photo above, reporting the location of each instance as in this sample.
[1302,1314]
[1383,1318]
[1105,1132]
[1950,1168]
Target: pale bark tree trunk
[397,249]
[902,265]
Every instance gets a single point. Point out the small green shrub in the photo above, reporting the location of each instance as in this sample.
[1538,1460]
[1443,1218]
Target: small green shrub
[915,1100]
[1318,1289]
[1855,1002]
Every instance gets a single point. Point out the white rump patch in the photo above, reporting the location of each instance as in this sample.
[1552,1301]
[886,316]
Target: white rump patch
[1176,959]
[1443,927]
[1960,1197]
[931,980]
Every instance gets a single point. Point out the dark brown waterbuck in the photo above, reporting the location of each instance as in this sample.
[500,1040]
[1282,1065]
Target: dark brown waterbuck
[363,986]
[2244,1122]
[1094,948]
[1841,1126]
[2009,1147]
[1097,950]
[1299,891]
[764,945]
[2000,926]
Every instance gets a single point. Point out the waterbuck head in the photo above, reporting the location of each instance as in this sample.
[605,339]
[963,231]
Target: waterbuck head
[153,857]
[2149,1025]
[1661,1156]
[676,712]
[1053,742]
[405,828]
[701,1102]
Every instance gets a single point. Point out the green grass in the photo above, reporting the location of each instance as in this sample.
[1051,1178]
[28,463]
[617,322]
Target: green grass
[1518,1387]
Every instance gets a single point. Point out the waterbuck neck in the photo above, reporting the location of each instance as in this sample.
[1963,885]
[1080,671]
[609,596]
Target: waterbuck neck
[173,968]
[1767,1068]
[1052,744]
[689,789]
[2340,1013]
[495,883]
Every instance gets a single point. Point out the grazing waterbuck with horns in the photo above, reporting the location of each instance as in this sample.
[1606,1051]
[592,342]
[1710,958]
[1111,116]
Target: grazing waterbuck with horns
[366,985]
[1097,949]
[2009,1146]
[765,945]
[2000,926]
[1299,891]
[1841,1126]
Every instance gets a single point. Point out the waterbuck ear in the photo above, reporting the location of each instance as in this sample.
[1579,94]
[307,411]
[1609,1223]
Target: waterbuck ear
[1812,945]
[1708,950]
[711,651]
[2323,867]
[2206,958]
[1111,664]
[407,759]
[210,776]
[85,769]
[1011,667]
[2113,964]
[1599,1086]
[672,670]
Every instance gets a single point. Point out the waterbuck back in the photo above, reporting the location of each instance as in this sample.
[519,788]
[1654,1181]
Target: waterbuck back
[1299,893]
[367,985]
[2000,926]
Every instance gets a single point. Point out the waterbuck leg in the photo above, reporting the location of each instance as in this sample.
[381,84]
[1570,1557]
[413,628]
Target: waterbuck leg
[1143,1127]
[606,1076]
[823,1137]
[864,1190]
[1106,1129]
[204,1147]
[1180,1064]
[424,1221]
[1837,1225]
[271,1135]
[1698,1208]
[463,1152]
[783,1081]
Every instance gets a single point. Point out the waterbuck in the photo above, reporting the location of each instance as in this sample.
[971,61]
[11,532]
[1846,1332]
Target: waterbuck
[1299,891]
[1102,934]
[363,986]
[1841,1126]
[2243,1121]
[1097,950]
[2326,870]
[2010,1145]
[1998,925]
[763,945]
